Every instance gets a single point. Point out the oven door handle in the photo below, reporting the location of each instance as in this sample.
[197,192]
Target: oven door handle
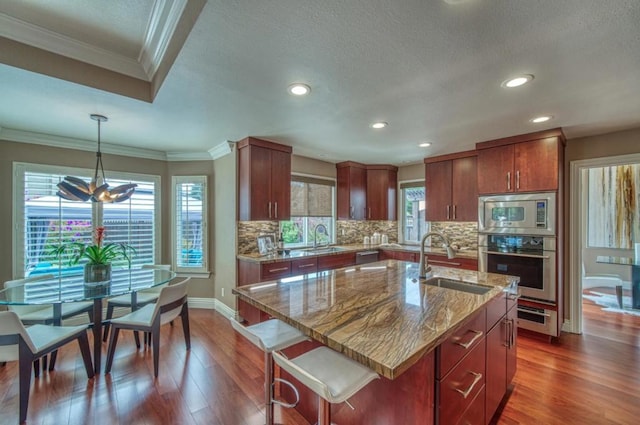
[545,257]
[535,312]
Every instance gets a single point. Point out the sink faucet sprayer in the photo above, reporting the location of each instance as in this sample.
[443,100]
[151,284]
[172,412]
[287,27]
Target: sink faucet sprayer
[315,233]
[424,267]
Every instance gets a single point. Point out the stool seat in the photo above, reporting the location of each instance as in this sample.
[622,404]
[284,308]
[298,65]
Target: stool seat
[329,374]
[270,335]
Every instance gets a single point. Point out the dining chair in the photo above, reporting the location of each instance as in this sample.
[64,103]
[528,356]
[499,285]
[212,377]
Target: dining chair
[144,297]
[27,344]
[43,314]
[171,303]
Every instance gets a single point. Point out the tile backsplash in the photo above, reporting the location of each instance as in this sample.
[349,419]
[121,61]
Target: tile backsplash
[353,231]
[248,232]
[463,234]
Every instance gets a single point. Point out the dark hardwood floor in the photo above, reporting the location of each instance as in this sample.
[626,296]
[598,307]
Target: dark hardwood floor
[592,378]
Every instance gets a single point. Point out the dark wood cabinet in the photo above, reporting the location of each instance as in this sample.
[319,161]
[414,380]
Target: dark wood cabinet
[451,189]
[351,191]
[336,261]
[526,163]
[387,254]
[382,181]
[264,180]
[456,263]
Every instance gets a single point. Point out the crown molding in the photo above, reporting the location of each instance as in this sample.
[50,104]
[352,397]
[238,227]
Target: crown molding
[188,156]
[33,35]
[162,24]
[20,136]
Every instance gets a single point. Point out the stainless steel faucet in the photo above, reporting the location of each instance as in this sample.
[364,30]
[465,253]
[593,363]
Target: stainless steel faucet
[315,233]
[424,267]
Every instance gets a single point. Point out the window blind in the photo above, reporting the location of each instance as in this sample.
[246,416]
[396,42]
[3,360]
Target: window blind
[311,197]
[190,222]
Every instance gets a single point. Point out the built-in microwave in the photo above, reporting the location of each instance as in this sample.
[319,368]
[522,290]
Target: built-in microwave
[524,214]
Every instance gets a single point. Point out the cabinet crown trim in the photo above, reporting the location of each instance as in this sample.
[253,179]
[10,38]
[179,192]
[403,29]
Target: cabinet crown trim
[554,132]
[252,141]
[447,157]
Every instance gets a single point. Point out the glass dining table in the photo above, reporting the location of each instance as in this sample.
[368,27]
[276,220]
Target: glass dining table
[71,288]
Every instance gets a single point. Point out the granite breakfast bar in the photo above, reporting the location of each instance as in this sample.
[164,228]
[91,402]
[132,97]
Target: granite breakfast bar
[381,315]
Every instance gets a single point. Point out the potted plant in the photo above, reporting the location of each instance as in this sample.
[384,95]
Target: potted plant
[100,255]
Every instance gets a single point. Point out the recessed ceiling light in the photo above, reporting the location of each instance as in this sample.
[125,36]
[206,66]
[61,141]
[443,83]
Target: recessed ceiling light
[542,118]
[517,81]
[299,89]
[379,125]
[425,144]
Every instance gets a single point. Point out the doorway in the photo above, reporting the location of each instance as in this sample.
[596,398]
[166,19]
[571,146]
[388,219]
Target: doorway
[588,241]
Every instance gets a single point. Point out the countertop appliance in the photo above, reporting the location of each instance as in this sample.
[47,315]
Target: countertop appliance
[523,214]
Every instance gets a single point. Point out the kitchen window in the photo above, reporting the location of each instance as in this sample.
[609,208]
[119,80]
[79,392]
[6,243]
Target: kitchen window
[189,221]
[43,220]
[413,211]
[312,203]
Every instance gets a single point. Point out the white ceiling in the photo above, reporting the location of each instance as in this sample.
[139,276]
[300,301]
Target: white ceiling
[429,68]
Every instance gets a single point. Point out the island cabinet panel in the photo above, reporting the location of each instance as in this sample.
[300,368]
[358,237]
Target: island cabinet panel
[264,180]
[381,192]
[351,190]
[475,412]
[456,263]
[450,181]
[399,255]
[336,261]
[526,163]
[304,266]
[460,344]
[501,351]
[459,388]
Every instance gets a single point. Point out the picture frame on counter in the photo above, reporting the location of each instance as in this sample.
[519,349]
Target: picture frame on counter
[266,244]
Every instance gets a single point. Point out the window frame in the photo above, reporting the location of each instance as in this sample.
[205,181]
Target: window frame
[18,187]
[402,185]
[202,271]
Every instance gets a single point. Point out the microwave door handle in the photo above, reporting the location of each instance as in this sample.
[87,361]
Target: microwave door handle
[509,254]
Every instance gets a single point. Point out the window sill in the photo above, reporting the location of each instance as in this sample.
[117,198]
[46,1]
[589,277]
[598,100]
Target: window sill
[195,275]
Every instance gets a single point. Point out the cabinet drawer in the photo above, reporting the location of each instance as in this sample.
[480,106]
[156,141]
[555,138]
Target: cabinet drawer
[304,266]
[456,263]
[335,261]
[272,271]
[475,413]
[460,344]
[461,386]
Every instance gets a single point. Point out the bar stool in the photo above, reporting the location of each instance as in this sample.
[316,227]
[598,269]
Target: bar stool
[269,336]
[331,375]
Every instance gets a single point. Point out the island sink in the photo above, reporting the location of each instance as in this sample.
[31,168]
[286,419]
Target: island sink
[457,285]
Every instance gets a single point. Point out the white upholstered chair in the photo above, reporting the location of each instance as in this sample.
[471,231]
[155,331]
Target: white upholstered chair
[171,303]
[144,297]
[28,344]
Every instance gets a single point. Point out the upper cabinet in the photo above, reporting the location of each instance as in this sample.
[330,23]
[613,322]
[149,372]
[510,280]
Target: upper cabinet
[264,180]
[352,190]
[450,182]
[366,192]
[526,163]
[382,181]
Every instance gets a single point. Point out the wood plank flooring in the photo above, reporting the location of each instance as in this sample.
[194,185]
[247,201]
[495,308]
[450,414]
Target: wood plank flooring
[592,378]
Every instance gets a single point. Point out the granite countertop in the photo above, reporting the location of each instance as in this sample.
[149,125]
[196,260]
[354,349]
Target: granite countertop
[378,314]
[300,253]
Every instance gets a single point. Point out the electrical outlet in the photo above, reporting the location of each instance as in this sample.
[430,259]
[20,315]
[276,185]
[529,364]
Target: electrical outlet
[222,292]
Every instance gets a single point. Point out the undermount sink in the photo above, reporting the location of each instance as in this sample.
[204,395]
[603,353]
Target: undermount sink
[323,250]
[458,285]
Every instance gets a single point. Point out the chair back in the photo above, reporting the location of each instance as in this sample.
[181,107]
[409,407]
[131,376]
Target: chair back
[11,329]
[24,309]
[170,301]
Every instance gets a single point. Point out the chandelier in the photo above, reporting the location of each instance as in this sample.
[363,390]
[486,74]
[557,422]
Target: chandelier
[75,189]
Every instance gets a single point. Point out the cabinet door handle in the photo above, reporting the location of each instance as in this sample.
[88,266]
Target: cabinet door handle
[476,379]
[448,212]
[369,212]
[508,180]
[466,345]
[302,266]
[276,209]
[512,342]
[518,179]
[280,269]
[455,210]
[351,211]
[508,324]
[269,209]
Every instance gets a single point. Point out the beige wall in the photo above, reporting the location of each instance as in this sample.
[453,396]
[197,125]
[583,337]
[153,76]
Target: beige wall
[314,167]
[605,145]
[411,172]
[11,152]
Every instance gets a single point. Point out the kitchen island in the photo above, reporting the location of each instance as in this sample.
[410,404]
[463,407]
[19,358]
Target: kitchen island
[381,315]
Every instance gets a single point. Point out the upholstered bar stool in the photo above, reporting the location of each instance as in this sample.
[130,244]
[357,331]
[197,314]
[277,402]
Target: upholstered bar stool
[331,375]
[269,336]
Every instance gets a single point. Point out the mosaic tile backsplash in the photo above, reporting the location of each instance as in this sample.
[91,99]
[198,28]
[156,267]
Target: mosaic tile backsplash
[463,234]
[354,231]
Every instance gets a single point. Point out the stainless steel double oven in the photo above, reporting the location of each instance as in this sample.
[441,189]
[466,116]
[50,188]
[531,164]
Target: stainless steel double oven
[517,237]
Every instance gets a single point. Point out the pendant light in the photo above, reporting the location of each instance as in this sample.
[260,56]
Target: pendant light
[75,189]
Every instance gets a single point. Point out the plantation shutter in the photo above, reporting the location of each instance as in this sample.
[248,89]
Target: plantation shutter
[190,223]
